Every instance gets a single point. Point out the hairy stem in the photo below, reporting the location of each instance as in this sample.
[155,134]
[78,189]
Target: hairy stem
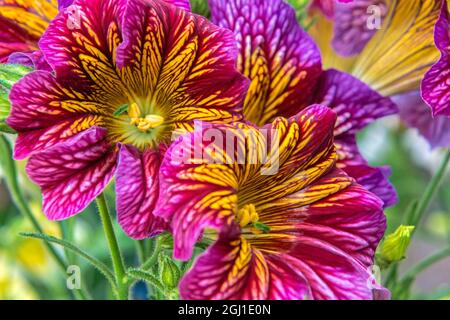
[116,255]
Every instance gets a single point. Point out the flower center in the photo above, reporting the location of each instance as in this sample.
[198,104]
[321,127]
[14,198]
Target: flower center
[248,220]
[144,124]
[246,215]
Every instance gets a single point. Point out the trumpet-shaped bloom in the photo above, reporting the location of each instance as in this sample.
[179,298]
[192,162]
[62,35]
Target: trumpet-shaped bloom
[306,231]
[393,61]
[22,24]
[285,70]
[436,84]
[128,76]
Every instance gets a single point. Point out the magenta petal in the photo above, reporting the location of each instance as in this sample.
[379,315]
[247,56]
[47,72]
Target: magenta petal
[73,173]
[286,283]
[184,4]
[232,269]
[325,6]
[351,221]
[33,59]
[336,244]
[137,189]
[436,87]
[374,180]
[67,48]
[62,4]
[39,116]
[355,103]
[13,38]
[436,83]
[331,274]
[351,32]
[228,270]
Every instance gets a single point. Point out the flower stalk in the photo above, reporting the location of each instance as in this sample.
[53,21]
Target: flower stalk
[116,255]
[424,203]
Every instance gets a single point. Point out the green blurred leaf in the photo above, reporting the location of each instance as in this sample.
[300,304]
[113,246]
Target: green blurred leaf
[200,7]
[9,75]
[301,10]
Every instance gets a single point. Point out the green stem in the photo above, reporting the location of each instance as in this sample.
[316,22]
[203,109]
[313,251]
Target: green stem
[140,248]
[139,274]
[426,263]
[154,256]
[431,190]
[67,229]
[116,256]
[100,266]
[391,277]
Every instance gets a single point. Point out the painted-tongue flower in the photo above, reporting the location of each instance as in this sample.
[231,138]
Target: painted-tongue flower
[303,231]
[130,75]
[396,55]
[285,69]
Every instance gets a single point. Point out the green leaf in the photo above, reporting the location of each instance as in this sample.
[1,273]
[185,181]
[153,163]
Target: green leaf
[9,75]
[100,266]
[301,10]
[262,227]
[120,110]
[6,129]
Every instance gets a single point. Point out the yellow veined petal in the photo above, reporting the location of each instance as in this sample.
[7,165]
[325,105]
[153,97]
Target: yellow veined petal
[397,57]
[32,15]
[322,33]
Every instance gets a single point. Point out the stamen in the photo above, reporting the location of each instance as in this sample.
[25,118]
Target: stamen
[246,215]
[133,111]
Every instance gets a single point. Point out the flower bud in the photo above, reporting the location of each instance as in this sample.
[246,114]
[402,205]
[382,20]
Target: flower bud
[170,274]
[395,245]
